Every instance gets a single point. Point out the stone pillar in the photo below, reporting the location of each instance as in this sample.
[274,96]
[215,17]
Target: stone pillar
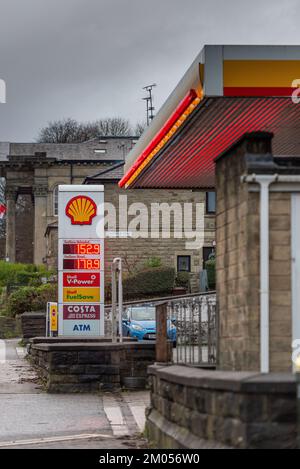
[238,253]
[40,223]
[11,199]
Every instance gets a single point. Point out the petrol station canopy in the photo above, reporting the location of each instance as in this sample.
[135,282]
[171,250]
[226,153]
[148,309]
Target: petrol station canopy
[227,91]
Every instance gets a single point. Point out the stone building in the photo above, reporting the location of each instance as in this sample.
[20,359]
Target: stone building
[33,172]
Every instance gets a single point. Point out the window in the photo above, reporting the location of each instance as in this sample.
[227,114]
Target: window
[183,263]
[210,202]
[100,150]
[55,201]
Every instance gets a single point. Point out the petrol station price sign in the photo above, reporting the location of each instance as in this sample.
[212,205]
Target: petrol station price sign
[81,260]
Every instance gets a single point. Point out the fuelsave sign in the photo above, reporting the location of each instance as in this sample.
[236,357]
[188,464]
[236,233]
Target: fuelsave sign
[81,260]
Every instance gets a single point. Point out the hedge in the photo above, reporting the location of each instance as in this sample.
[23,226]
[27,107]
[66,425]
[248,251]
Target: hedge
[22,274]
[149,283]
[31,299]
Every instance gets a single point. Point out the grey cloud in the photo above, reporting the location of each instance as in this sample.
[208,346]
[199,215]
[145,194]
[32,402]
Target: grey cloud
[90,58]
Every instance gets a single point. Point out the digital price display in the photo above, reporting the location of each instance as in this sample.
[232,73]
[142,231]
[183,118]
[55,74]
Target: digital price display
[81,248]
[81,264]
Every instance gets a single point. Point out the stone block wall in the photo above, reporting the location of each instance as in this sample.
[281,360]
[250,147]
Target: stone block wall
[193,408]
[9,327]
[237,239]
[90,367]
[238,265]
[33,325]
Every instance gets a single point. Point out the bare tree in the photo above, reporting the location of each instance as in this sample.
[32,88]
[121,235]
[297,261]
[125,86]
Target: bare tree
[71,131]
[140,128]
[60,131]
[114,127]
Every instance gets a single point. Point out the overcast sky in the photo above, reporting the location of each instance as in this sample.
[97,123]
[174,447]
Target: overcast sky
[90,58]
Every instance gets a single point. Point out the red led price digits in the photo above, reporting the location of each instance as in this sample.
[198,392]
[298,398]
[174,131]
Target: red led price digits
[81,248]
[81,264]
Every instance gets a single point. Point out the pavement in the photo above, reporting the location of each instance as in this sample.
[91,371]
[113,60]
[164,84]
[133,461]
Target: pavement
[31,418]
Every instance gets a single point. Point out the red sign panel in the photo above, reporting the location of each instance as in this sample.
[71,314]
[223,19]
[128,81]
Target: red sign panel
[87,312]
[81,279]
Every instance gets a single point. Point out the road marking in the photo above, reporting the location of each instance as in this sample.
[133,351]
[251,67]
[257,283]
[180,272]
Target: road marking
[115,416]
[54,439]
[21,352]
[139,415]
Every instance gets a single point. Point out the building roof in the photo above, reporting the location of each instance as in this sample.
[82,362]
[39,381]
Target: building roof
[113,173]
[106,148]
[227,91]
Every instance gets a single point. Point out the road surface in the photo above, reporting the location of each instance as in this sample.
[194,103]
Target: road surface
[30,418]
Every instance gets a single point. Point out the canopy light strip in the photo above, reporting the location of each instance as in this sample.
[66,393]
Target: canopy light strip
[184,109]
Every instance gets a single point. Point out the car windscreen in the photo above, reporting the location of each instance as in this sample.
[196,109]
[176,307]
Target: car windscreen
[143,314]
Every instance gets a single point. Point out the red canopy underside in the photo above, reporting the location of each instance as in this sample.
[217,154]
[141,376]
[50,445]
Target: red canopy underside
[188,160]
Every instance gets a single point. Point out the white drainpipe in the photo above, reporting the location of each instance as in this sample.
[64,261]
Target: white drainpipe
[264,182]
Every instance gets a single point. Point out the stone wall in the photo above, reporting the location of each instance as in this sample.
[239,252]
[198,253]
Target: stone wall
[33,325]
[9,327]
[90,367]
[237,259]
[193,408]
[136,252]
[238,269]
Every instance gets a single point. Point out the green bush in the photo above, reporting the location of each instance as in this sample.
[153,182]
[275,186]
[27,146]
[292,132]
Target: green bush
[31,299]
[153,262]
[22,274]
[183,280]
[210,266]
[149,283]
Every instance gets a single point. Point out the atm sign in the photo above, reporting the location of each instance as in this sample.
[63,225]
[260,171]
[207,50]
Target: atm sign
[81,279]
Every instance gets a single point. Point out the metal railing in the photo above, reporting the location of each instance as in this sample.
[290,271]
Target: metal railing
[195,319]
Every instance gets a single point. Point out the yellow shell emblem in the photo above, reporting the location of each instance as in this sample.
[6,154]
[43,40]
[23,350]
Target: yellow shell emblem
[81,210]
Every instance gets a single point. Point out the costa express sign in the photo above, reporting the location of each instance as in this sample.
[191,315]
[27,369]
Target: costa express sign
[86,312]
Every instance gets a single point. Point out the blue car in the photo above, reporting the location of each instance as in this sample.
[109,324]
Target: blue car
[139,322]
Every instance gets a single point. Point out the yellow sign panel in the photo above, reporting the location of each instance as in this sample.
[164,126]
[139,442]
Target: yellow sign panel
[53,310]
[260,73]
[81,295]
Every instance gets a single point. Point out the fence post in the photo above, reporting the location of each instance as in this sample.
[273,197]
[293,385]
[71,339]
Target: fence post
[162,343]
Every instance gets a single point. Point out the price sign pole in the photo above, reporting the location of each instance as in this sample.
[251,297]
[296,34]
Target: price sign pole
[81,260]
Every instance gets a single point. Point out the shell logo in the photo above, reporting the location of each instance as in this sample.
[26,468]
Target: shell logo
[81,210]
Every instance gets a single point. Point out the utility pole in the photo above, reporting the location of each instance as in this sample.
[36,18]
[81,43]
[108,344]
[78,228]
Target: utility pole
[149,102]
